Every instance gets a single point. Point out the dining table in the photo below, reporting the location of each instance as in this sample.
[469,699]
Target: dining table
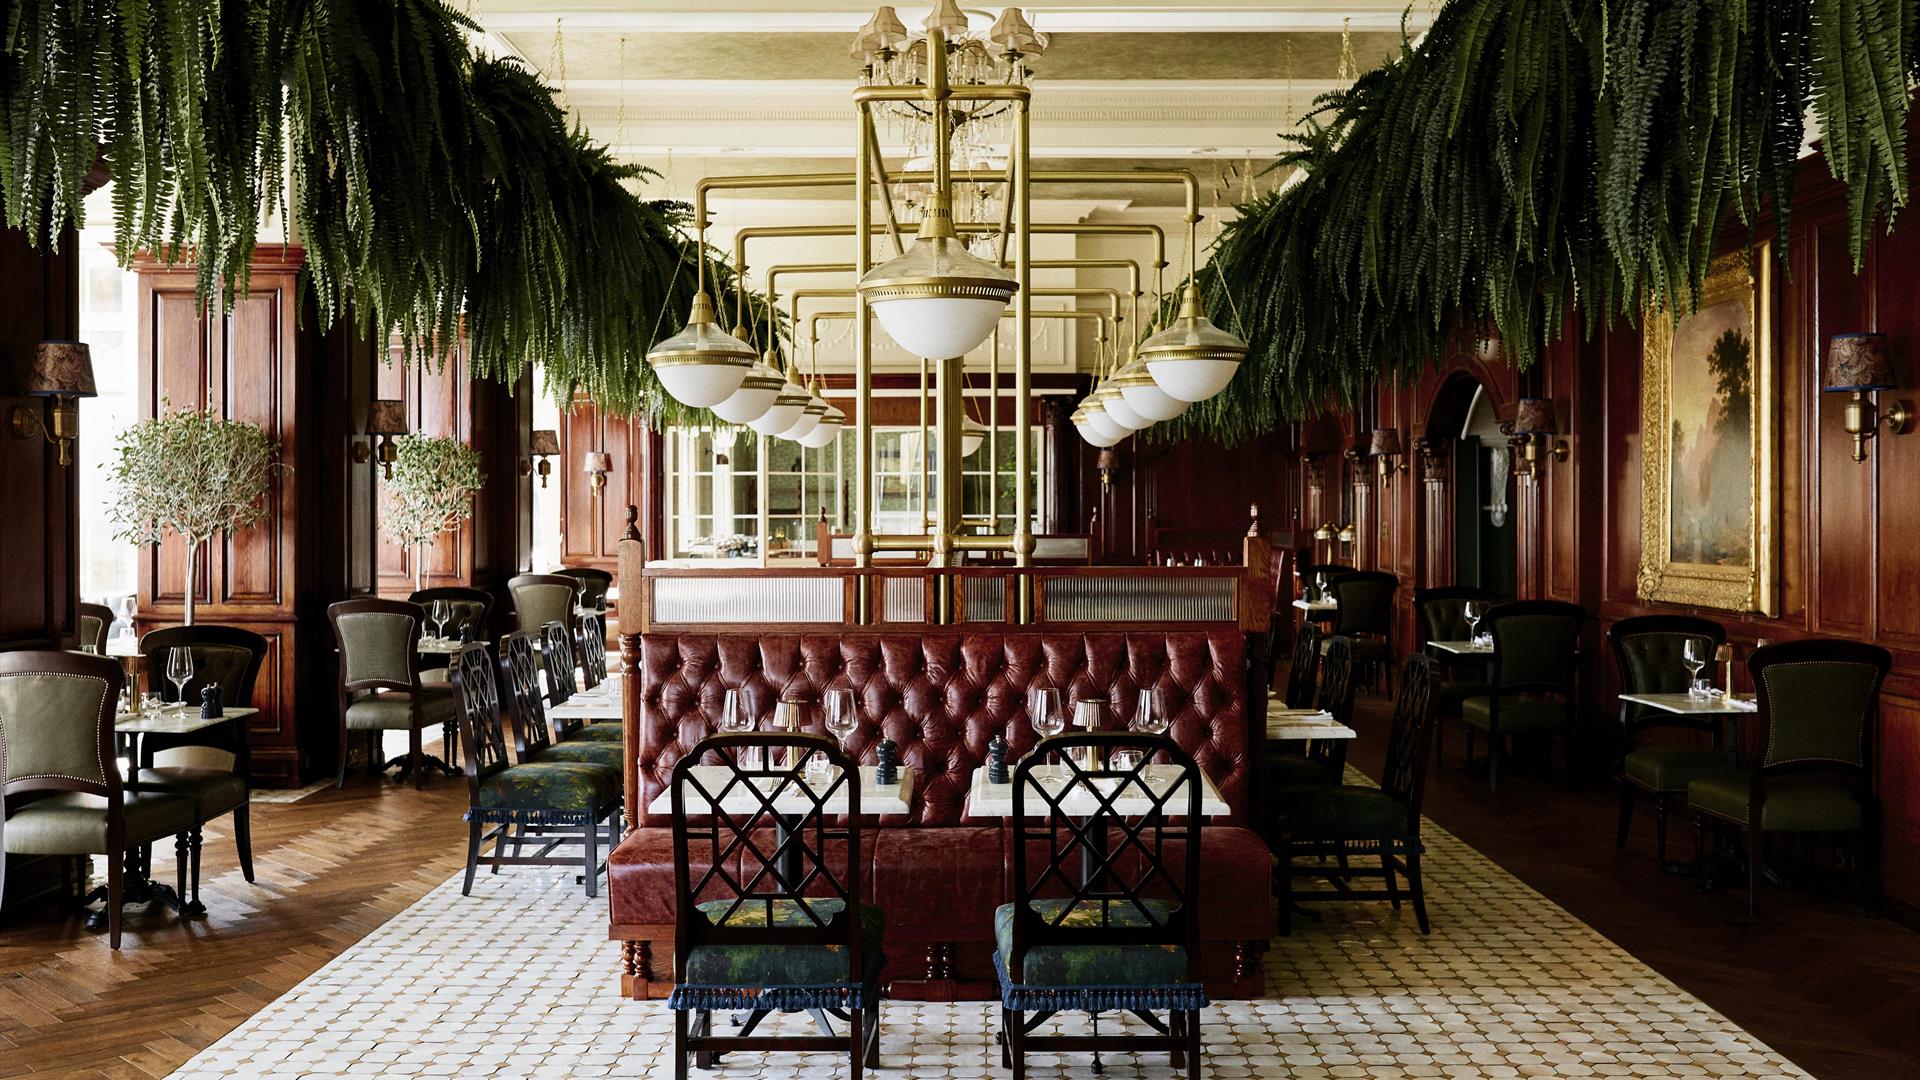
[1303,725]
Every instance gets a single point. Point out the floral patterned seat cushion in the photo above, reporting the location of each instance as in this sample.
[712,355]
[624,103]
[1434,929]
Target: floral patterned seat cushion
[551,785]
[603,731]
[593,753]
[1094,964]
[758,966]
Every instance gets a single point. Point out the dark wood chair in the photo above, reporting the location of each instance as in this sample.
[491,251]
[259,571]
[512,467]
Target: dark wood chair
[1325,761]
[565,801]
[57,709]
[764,925]
[1819,702]
[1303,669]
[95,621]
[380,688]
[536,735]
[1107,908]
[1531,691]
[539,599]
[1648,650]
[1440,614]
[594,584]
[1348,821]
[1365,617]
[472,614]
[228,658]
[593,650]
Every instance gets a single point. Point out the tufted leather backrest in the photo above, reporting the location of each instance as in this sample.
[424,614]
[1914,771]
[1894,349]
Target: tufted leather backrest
[942,698]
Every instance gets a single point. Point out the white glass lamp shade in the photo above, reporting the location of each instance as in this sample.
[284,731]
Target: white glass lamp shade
[1101,435]
[786,408]
[702,365]
[973,434]
[814,411]
[939,300]
[1192,359]
[1144,396]
[755,396]
[827,430]
[1117,410]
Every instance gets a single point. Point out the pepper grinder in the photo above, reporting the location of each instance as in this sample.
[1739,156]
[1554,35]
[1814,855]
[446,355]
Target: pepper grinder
[210,703]
[886,760]
[997,760]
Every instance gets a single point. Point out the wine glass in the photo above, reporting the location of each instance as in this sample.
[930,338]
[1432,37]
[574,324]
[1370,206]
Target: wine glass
[442,612]
[1693,654]
[1148,717]
[180,671]
[1474,612]
[841,717]
[1320,580]
[1048,716]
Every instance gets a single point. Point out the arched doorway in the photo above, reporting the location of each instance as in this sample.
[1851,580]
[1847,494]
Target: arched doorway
[1470,490]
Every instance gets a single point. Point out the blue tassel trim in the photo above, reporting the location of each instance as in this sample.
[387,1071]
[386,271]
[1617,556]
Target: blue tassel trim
[1181,996]
[851,996]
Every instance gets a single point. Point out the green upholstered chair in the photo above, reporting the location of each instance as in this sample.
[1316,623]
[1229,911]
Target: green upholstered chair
[1818,702]
[556,647]
[539,599]
[62,779]
[380,687]
[1440,614]
[553,804]
[594,584]
[1350,820]
[537,736]
[1648,650]
[1076,939]
[1303,668]
[95,620]
[1531,692]
[472,612]
[1365,617]
[1325,761]
[229,658]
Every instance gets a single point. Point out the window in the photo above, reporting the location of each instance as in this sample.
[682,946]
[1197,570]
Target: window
[109,324]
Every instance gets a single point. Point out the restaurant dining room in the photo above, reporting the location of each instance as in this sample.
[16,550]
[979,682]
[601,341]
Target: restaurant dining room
[1109,538]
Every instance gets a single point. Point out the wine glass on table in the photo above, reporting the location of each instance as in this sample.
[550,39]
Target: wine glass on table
[1693,655]
[180,672]
[1046,711]
[1474,612]
[841,718]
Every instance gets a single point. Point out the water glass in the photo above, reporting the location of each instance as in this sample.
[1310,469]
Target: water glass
[819,770]
[180,671]
[841,717]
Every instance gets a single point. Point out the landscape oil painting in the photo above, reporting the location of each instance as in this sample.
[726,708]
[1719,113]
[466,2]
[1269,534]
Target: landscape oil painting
[1708,461]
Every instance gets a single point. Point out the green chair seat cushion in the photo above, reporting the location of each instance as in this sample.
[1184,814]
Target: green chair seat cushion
[609,754]
[784,965]
[601,731]
[1520,714]
[1340,813]
[551,785]
[1094,964]
[74,823]
[1793,803]
[1672,768]
[1454,691]
[389,711]
[213,791]
[1297,770]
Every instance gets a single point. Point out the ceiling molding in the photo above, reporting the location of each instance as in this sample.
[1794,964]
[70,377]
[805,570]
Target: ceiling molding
[767,17]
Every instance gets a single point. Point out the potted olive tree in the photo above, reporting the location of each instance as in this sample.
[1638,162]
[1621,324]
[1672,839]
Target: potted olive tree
[430,492]
[193,474]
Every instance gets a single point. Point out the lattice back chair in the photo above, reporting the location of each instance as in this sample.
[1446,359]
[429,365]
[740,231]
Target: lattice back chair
[1441,615]
[556,654]
[1818,702]
[1325,760]
[1303,668]
[1365,616]
[1532,689]
[767,885]
[95,619]
[552,804]
[58,708]
[593,651]
[228,658]
[1107,906]
[1648,650]
[594,584]
[540,734]
[1351,820]
[380,689]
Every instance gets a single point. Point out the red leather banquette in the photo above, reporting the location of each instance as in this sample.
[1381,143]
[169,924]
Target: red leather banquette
[938,873]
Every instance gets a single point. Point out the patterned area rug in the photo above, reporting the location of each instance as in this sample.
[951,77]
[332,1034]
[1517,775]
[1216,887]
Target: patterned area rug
[518,980]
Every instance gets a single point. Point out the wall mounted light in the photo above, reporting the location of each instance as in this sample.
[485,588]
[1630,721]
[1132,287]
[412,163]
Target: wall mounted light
[1325,532]
[544,444]
[1385,449]
[63,371]
[1534,428]
[1859,364]
[1347,535]
[596,464]
[1107,464]
[386,417]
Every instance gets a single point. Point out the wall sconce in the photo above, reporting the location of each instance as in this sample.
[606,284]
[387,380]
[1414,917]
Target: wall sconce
[63,371]
[1347,535]
[597,464]
[386,417]
[1534,428]
[1860,363]
[544,444]
[1107,464]
[1385,449]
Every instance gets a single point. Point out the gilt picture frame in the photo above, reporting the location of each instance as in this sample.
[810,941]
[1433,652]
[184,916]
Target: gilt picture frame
[1710,445]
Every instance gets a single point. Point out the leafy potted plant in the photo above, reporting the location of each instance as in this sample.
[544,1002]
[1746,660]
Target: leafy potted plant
[193,474]
[430,492]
